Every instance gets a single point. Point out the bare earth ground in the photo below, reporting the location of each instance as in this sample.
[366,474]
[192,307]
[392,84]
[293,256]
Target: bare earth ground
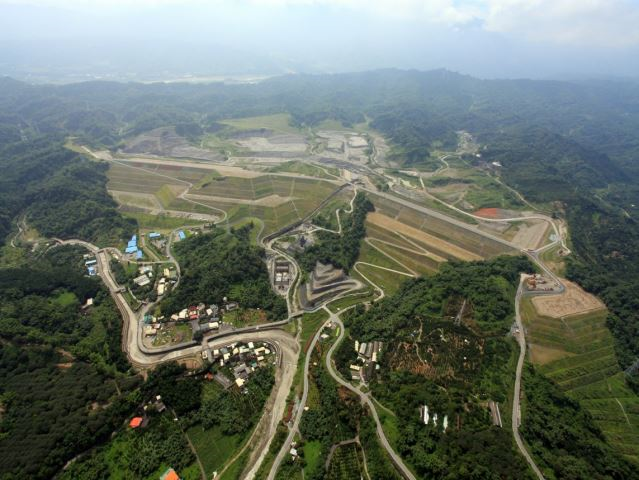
[541,354]
[572,302]
[221,169]
[277,143]
[531,234]
[395,226]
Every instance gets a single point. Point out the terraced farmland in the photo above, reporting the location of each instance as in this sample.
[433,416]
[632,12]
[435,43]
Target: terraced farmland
[476,245]
[577,352]
[173,188]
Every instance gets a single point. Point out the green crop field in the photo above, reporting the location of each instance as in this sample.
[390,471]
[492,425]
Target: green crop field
[347,463]
[213,447]
[588,371]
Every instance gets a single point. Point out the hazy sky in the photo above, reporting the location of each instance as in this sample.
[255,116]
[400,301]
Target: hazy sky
[487,38]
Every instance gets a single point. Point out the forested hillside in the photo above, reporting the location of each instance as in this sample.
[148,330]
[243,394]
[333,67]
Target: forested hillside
[455,369]
[342,250]
[63,385]
[218,264]
[58,192]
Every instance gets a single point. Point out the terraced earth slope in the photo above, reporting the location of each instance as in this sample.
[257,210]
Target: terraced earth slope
[577,352]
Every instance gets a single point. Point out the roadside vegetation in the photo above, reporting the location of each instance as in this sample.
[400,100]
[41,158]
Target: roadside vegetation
[341,251]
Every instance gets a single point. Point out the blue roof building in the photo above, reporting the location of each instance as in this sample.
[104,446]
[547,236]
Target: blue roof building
[181,235]
[139,254]
[92,271]
[154,235]
[131,249]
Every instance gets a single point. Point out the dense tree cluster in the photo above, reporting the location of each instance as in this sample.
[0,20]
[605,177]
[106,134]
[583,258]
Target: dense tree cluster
[58,365]
[488,287]
[223,264]
[58,192]
[564,437]
[341,251]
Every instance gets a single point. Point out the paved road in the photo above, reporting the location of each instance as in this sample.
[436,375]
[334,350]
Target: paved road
[521,339]
[366,398]
[281,455]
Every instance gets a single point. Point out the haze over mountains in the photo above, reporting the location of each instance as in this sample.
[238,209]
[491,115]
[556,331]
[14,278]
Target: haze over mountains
[64,41]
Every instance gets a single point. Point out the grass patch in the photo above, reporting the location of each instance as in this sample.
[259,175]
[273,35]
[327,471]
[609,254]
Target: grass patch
[245,317]
[304,168]
[66,299]
[312,454]
[213,447]
[387,281]
[171,335]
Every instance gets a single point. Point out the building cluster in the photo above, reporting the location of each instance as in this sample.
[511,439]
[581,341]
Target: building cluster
[167,278]
[157,240]
[281,273]
[203,317]
[427,417]
[368,358]
[237,361]
[91,265]
[133,250]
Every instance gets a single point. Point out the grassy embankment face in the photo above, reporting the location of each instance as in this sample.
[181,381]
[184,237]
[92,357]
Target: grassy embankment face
[577,353]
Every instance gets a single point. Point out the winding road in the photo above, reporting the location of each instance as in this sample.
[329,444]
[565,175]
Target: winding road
[287,346]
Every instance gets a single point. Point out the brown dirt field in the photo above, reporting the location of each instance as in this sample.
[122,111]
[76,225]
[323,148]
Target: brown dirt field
[429,240]
[573,301]
[540,354]
[531,234]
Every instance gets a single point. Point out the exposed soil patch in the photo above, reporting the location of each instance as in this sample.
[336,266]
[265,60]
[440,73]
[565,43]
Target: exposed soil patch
[166,142]
[573,301]
[394,226]
[541,354]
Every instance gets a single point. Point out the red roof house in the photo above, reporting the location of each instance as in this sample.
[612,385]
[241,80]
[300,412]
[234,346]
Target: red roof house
[136,422]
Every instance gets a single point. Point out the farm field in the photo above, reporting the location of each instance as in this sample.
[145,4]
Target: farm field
[577,352]
[433,231]
[160,188]
[213,447]
[347,463]
[420,235]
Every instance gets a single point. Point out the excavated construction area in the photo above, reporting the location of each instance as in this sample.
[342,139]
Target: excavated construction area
[326,282]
